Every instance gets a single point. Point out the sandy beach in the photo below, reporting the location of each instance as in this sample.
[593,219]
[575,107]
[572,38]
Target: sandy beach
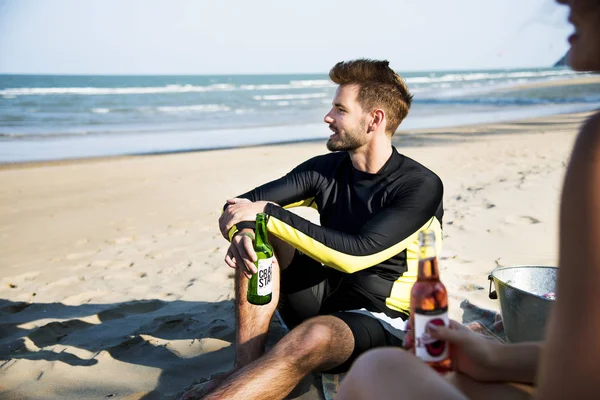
[112,280]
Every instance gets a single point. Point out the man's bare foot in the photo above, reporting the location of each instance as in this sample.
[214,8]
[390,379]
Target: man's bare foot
[199,390]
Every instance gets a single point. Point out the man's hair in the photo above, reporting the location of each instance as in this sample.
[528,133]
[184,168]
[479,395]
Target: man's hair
[379,87]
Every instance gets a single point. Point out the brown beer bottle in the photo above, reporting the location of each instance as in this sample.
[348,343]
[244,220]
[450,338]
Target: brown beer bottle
[259,286]
[429,305]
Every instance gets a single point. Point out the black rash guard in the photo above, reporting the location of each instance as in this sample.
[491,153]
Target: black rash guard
[369,224]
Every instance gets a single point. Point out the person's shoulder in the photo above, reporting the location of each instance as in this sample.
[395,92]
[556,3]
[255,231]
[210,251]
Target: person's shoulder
[328,158]
[589,136]
[413,177]
[324,161]
[418,170]
[591,128]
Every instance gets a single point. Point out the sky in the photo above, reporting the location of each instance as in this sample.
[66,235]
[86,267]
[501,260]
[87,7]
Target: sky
[275,36]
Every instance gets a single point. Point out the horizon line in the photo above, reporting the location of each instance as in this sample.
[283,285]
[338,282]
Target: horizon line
[261,73]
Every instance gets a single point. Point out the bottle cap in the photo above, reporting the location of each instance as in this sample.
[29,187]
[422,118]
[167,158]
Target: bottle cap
[427,237]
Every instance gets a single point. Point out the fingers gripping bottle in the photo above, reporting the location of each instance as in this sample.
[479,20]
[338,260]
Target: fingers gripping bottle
[260,285]
[429,305]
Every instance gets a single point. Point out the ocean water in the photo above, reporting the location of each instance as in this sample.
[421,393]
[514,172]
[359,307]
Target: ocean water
[45,117]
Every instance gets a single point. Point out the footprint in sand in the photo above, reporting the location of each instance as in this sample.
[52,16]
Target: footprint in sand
[178,232]
[79,267]
[168,326]
[27,350]
[100,263]
[474,189]
[131,344]
[166,253]
[117,265]
[215,330]
[187,348]
[68,281]
[182,348]
[521,220]
[14,308]
[77,256]
[85,297]
[190,283]
[30,276]
[177,268]
[124,275]
[168,296]
[9,330]
[220,329]
[124,310]
[121,240]
[53,332]
[16,347]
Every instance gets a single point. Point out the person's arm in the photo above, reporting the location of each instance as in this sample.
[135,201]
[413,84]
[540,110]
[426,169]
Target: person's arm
[386,234]
[296,188]
[515,362]
[571,361]
[484,359]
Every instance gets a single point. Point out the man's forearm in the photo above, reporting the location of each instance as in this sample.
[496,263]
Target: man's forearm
[516,362]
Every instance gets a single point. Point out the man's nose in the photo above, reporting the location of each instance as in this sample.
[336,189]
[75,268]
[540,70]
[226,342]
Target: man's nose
[328,119]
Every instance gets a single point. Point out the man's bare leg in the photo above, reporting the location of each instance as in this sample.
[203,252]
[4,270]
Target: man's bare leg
[320,343]
[252,321]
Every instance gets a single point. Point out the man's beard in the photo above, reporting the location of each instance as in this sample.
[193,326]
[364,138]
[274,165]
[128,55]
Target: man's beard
[351,140]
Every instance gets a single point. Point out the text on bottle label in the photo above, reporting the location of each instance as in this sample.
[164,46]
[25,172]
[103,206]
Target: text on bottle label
[265,276]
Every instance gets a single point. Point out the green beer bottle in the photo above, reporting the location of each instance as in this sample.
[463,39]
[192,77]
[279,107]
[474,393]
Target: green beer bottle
[259,286]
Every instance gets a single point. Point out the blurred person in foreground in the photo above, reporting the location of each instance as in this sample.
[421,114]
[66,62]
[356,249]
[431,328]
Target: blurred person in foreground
[566,365]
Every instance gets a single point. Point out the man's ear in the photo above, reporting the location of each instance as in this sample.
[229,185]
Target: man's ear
[378,117]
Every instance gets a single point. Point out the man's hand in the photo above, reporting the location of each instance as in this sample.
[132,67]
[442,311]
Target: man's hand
[241,253]
[239,210]
[471,353]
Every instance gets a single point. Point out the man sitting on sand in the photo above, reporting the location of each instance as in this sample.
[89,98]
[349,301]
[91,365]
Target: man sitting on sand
[345,284]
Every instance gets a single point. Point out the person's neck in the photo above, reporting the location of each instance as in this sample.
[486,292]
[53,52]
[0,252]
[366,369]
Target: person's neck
[372,157]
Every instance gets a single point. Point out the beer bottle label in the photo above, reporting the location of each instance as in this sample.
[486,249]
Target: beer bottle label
[427,348]
[265,274]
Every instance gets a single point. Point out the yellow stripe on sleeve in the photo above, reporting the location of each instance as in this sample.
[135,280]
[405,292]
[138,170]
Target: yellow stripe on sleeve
[232,231]
[333,258]
[399,299]
[303,203]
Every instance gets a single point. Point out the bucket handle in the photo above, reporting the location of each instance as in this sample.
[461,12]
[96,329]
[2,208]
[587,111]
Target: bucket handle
[492,293]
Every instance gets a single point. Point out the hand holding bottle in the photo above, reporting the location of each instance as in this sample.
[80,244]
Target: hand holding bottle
[254,255]
[241,253]
[260,285]
[471,353]
[429,305]
[238,210]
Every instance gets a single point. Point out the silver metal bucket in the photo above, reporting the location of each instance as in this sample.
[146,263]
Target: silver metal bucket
[521,291]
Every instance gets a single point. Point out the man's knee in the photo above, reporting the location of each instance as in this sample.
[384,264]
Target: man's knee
[308,341]
[283,251]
